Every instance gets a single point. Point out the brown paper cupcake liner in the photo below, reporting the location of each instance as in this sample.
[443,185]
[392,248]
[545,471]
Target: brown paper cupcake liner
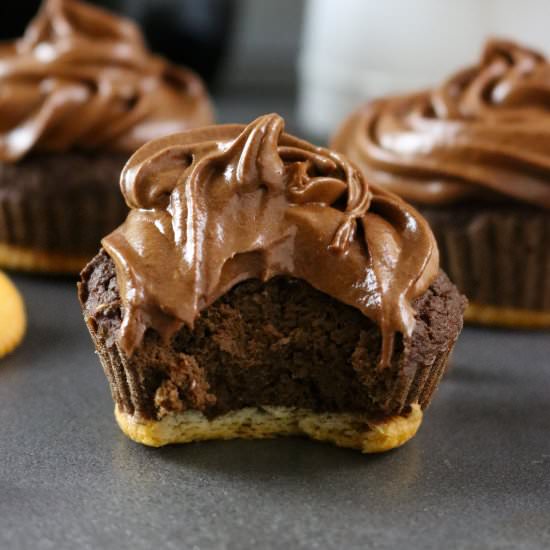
[499,258]
[55,209]
[69,224]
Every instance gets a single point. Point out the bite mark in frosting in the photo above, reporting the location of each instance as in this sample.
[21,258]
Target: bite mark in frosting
[215,206]
[483,134]
[83,78]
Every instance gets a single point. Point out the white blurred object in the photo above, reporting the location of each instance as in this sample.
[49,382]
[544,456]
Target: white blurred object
[354,50]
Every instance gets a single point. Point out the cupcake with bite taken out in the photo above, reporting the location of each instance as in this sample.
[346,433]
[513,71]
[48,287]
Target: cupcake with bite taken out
[260,286]
[473,155]
[79,93]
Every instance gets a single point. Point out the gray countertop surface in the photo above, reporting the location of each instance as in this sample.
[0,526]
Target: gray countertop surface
[476,476]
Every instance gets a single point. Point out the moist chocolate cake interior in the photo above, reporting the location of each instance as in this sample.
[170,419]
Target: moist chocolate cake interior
[279,343]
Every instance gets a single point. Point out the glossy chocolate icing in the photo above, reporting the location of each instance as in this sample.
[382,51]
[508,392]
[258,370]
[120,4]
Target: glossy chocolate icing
[219,205]
[83,78]
[483,134]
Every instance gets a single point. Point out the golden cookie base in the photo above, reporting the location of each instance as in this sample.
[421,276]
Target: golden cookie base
[354,431]
[13,321]
[506,317]
[38,261]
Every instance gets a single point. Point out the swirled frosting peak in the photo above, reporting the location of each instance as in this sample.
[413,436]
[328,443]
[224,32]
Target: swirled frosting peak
[215,206]
[483,134]
[81,77]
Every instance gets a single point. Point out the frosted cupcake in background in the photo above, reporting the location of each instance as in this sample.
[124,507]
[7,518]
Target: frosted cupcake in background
[473,155]
[79,92]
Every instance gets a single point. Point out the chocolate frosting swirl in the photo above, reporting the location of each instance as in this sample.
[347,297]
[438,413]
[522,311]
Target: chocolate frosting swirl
[484,134]
[83,78]
[215,206]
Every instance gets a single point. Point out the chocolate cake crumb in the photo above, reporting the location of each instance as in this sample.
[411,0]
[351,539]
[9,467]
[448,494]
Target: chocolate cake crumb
[279,343]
